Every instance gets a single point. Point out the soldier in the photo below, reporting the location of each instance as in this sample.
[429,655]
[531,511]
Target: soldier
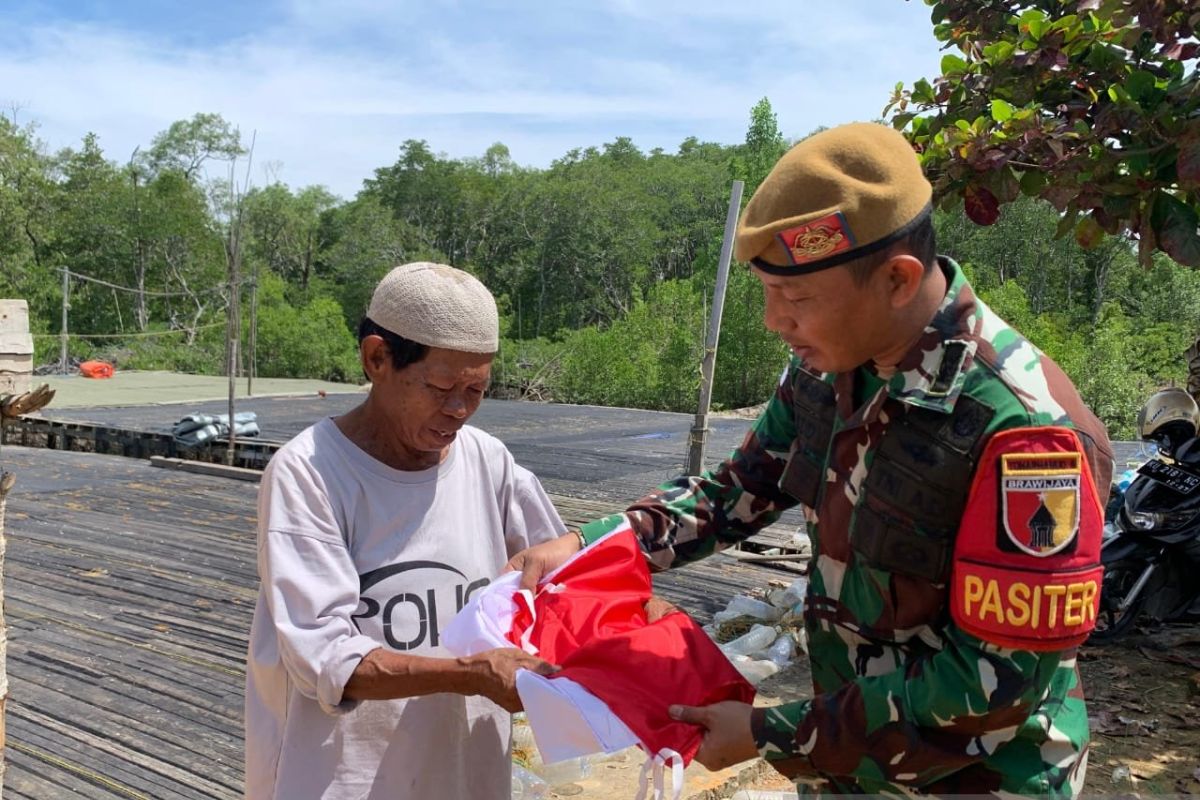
[953,483]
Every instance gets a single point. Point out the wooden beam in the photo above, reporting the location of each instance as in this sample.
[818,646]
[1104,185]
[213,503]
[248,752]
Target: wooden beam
[204,468]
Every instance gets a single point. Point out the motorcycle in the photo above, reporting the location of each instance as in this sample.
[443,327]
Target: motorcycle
[1151,556]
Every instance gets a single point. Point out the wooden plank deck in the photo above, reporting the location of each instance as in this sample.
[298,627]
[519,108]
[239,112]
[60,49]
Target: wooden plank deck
[129,596]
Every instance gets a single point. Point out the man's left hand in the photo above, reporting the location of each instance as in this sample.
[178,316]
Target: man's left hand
[657,608]
[727,738]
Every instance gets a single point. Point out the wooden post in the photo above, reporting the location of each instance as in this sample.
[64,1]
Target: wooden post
[695,460]
[252,365]
[66,304]
[235,322]
[234,253]
[16,347]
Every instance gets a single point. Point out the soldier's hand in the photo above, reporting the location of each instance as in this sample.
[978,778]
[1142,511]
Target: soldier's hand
[495,672]
[727,739]
[535,562]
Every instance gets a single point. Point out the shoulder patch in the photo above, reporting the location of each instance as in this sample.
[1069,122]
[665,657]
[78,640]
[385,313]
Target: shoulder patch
[1039,493]
[1027,557]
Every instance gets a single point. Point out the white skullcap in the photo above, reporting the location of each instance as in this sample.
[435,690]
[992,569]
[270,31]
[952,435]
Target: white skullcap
[437,305]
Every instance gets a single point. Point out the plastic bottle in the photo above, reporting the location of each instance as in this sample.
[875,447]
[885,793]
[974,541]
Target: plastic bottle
[526,785]
[754,670]
[568,771]
[757,794]
[782,651]
[759,637]
[793,598]
[749,607]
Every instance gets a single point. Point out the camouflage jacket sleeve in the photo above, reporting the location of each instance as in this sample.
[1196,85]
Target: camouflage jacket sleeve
[915,725]
[690,517]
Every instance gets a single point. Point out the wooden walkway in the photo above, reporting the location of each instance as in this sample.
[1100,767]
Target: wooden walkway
[129,595]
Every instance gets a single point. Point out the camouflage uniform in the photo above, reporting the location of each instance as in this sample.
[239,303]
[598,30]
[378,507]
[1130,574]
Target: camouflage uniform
[905,700]
[1193,365]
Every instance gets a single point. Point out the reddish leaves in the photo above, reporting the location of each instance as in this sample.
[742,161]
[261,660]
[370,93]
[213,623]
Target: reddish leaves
[1188,163]
[981,205]
[1175,226]
[1088,233]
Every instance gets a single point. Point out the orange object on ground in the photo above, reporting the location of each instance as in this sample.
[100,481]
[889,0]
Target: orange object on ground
[96,369]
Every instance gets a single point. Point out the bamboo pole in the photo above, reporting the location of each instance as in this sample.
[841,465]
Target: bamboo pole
[695,459]
[234,253]
[66,305]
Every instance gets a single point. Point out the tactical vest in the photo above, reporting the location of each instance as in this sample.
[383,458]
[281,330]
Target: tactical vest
[912,501]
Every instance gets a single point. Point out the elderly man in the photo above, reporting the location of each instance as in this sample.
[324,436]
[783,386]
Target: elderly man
[953,483]
[374,529]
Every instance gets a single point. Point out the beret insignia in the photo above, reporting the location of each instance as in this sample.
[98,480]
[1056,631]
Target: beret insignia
[818,239]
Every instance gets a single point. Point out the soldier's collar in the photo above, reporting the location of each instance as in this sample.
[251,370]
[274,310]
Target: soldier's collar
[932,373]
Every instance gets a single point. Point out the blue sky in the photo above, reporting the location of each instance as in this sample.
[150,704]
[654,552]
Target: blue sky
[332,88]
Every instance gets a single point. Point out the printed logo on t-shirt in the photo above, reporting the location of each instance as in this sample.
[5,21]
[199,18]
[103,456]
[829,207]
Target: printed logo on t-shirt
[405,604]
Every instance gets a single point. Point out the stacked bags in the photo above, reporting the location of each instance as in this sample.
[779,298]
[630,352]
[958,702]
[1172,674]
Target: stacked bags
[196,429]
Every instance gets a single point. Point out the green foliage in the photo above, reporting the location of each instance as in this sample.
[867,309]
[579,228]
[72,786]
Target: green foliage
[764,146]
[750,358]
[569,246]
[1087,104]
[526,369]
[187,144]
[171,352]
[308,341]
[362,241]
[25,187]
[284,230]
[603,264]
[648,359]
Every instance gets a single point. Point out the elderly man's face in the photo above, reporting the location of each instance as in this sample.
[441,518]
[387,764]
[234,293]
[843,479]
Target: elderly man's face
[429,401]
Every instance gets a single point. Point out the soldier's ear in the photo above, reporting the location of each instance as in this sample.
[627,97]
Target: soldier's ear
[904,274]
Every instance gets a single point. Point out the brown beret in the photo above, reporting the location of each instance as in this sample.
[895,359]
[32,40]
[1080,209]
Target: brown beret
[839,195]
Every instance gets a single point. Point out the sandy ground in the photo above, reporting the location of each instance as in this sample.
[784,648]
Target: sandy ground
[1143,695]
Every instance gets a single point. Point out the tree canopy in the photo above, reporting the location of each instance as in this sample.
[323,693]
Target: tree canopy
[603,264]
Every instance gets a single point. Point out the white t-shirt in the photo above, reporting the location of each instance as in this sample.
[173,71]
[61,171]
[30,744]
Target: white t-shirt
[354,555]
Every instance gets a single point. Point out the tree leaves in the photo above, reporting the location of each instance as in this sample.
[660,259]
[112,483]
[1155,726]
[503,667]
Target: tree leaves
[1088,100]
[1088,233]
[1187,163]
[1175,226]
[952,64]
[981,205]
[1032,182]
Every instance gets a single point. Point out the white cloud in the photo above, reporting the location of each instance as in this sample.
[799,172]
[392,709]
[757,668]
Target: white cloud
[332,90]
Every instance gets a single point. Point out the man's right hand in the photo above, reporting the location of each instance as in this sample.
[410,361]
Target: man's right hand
[495,673]
[536,562]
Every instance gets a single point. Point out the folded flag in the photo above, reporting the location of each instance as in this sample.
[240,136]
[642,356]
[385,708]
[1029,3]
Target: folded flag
[620,672]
